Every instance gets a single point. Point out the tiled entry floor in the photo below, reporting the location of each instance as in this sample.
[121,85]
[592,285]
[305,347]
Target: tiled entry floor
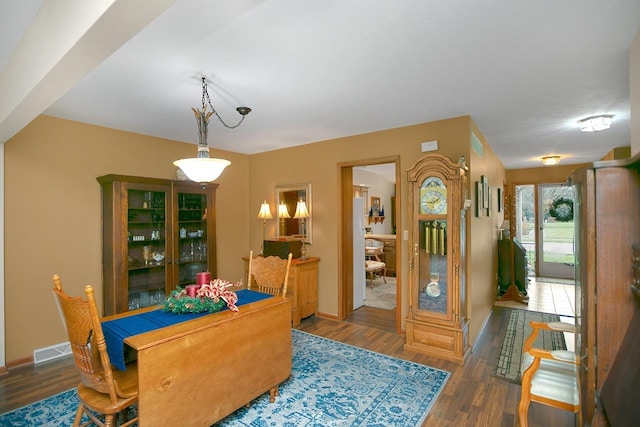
[548,297]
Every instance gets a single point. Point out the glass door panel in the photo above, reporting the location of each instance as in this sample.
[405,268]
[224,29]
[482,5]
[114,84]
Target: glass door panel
[192,250]
[147,247]
[525,223]
[556,238]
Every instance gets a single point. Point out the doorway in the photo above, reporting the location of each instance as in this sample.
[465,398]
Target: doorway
[347,231]
[544,226]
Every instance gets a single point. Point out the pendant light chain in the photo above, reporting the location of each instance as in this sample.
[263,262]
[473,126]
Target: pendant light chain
[206,100]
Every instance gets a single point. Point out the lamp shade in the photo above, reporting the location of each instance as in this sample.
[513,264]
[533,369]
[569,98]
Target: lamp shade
[265,211]
[202,169]
[301,210]
[283,212]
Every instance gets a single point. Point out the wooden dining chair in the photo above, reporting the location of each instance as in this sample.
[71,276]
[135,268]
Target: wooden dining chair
[270,274]
[104,392]
[549,377]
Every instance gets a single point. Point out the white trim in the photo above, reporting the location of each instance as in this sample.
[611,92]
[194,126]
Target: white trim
[2,315]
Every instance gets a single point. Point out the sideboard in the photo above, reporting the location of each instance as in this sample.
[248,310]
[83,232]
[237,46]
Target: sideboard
[302,288]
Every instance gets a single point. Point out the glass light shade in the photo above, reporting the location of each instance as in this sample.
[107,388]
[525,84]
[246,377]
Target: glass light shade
[550,160]
[595,124]
[301,210]
[283,212]
[202,169]
[265,211]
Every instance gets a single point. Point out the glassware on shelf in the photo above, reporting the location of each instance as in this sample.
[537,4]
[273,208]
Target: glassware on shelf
[147,254]
[147,200]
[158,257]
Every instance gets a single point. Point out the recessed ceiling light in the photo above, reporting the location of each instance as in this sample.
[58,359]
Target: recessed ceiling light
[550,160]
[595,123]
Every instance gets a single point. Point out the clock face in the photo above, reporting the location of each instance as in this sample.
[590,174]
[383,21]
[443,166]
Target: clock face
[433,196]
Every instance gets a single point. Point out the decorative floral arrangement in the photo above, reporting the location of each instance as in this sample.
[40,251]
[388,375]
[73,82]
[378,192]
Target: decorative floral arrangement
[209,297]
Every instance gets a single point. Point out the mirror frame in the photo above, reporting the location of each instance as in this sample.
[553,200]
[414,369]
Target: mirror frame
[299,187]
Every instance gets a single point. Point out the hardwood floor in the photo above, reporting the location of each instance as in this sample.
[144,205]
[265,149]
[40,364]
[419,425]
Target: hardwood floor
[471,397]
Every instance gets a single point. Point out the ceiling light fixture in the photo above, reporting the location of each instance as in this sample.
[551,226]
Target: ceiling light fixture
[202,168]
[550,160]
[595,123]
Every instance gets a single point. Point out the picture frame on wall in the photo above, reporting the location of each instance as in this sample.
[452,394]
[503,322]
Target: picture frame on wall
[489,201]
[375,205]
[479,199]
[485,191]
[499,196]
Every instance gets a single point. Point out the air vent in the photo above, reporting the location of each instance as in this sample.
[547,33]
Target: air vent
[52,352]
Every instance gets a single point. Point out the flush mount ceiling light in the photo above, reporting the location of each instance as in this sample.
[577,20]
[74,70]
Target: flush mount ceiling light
[595,123]
[202,168]
[550,160]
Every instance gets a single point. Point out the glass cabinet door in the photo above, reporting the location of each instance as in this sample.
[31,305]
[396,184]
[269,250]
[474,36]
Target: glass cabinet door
[192,253]
[433,267]
[146,246]
[433,262]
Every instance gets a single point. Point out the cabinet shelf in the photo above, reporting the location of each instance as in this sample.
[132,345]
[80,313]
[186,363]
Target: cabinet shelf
[145,267]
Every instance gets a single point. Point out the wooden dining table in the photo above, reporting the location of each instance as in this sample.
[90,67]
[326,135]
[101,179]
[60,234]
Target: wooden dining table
[198,371]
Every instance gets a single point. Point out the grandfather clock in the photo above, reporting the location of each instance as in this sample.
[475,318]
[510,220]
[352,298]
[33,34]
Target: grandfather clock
[437,323]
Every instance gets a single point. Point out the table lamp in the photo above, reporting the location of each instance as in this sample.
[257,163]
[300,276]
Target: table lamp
[283,213]
[302,213]
[264,215]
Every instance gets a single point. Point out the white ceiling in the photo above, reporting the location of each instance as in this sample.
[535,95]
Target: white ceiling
[525,71]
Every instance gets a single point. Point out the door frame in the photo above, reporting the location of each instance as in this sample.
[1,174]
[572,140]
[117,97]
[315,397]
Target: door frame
[345,234]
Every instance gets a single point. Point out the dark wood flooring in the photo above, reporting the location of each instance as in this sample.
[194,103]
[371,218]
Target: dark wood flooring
[471,397]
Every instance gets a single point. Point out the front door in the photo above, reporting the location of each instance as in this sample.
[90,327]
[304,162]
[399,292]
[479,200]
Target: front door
[555,249]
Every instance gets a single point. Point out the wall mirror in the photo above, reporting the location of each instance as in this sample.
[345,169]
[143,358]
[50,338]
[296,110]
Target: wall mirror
[287,200]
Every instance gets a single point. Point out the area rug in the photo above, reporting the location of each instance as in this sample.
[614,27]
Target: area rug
[382,295]
[517,331]
[331,384]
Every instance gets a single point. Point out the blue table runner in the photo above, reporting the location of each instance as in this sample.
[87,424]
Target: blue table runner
[117,330]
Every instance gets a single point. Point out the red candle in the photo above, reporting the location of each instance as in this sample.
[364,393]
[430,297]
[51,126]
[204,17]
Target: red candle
[203,278]
[191,290]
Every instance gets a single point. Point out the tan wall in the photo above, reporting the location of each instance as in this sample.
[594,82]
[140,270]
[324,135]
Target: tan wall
[52,209]
[317,163]
[52,216]
[617,153]
[482,264]
[543,174]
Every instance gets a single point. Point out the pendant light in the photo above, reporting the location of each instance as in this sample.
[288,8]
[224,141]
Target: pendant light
[203,168]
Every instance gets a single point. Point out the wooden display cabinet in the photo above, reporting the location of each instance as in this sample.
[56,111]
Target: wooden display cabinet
[437,322]
[156,235]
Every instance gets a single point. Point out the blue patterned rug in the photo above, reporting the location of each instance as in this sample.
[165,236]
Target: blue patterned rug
[331,384]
